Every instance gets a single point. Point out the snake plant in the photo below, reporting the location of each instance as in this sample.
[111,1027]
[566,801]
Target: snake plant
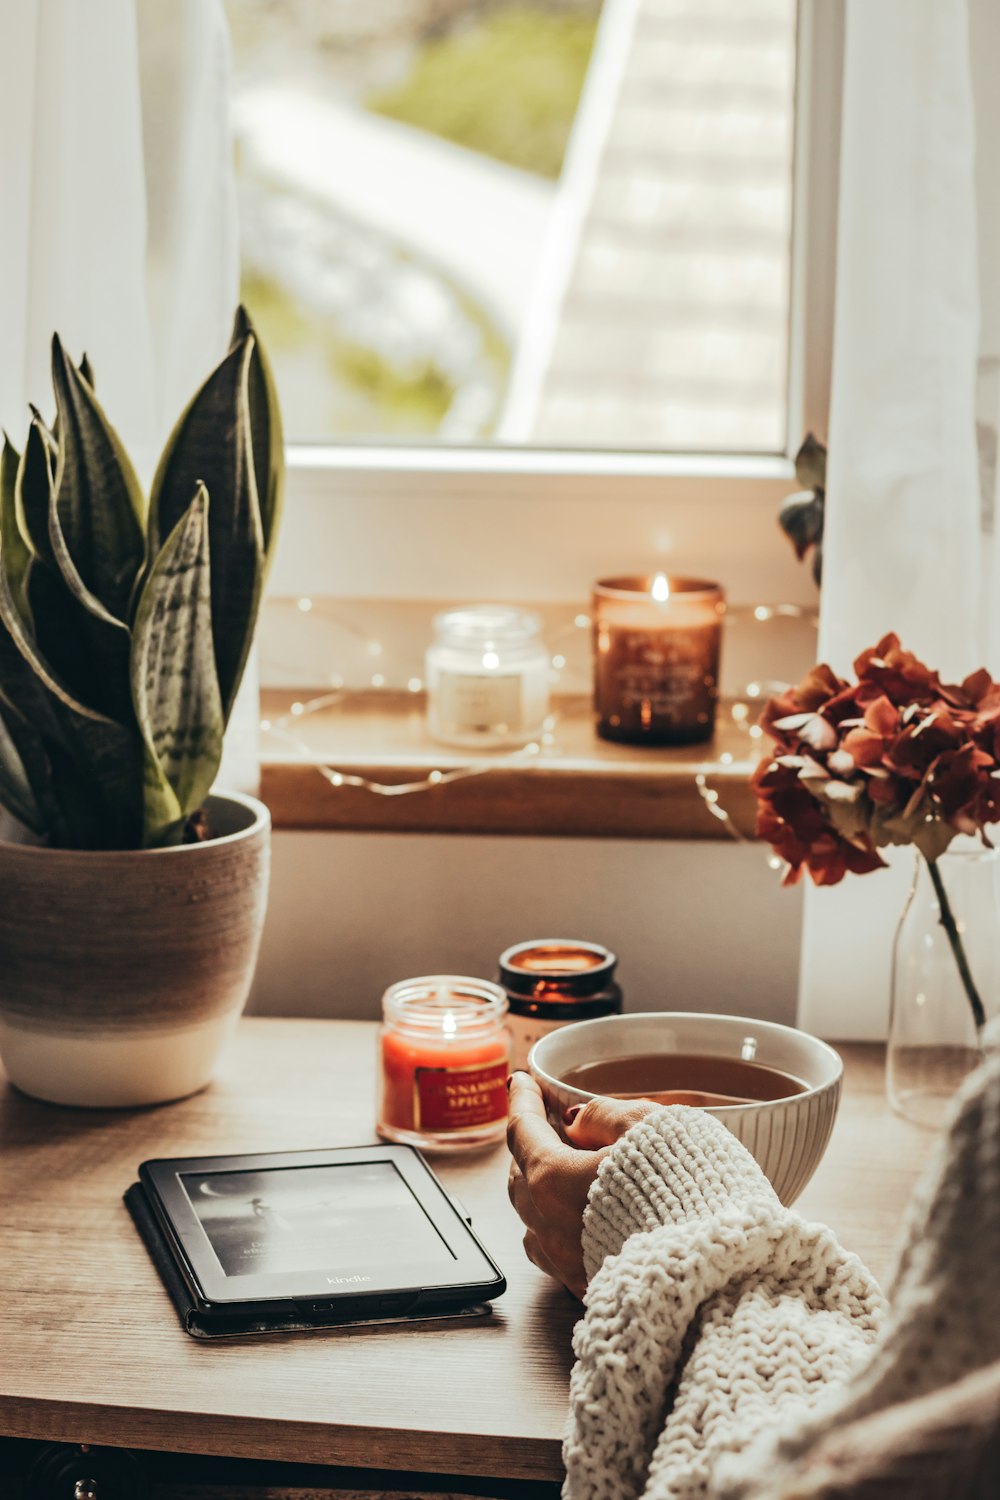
[125,623]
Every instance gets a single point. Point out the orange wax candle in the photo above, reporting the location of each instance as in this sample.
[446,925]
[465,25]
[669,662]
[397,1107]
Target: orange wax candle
[444,1056]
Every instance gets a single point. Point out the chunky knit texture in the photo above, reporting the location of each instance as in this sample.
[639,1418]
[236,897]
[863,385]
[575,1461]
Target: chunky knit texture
[727,1342]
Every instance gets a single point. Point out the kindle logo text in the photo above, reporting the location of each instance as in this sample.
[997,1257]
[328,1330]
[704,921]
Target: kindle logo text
[340,1280]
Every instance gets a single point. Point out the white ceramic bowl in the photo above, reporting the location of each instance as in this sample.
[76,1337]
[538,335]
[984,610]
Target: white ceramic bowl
[786,1136]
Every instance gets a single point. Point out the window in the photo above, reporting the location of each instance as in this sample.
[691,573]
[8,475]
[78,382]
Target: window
[384,508]
[551,222]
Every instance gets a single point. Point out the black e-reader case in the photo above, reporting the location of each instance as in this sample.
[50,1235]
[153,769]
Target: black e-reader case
[402,1251]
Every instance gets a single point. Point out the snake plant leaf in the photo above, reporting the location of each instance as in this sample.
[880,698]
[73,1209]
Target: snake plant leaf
[60,640]
[15,555]
[33,491]
[62,800]
[88,655]
[33,755]
[67,799]
[50,436]
[211,445]
[15,788]
[93,646]
[174,683]
[267,433]
[102,755]
[97,494]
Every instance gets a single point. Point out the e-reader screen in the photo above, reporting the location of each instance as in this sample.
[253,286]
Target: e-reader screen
[313,1218]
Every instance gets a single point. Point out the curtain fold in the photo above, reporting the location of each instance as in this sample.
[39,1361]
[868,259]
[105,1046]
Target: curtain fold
[117,205]
[904,539]
[118,224]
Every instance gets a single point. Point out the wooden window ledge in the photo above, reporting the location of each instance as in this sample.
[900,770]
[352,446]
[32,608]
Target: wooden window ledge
[579,786]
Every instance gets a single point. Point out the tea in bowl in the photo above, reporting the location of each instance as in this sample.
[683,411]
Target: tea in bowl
[777,1089]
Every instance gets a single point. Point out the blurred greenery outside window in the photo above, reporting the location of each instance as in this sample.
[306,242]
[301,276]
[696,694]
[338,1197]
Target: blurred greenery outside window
[376,141]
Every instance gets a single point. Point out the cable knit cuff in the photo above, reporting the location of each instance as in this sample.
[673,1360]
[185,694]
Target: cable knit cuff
[676,1164]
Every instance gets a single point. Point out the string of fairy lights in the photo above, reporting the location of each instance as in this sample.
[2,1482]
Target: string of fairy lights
[283,728]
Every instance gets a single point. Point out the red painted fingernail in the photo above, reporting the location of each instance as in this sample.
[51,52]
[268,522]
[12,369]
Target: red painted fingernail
[571,1113]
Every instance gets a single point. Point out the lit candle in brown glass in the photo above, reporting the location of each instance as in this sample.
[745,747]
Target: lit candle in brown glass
[656,658]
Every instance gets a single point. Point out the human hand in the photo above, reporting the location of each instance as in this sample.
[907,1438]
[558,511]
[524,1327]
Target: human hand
[549,1181]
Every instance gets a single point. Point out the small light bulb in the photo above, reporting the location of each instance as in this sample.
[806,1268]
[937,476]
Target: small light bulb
[305,605]
[265,725]
[435,777]
[378,680]
[559,662]
[415,684]
[581,621]
[726,758]
[298,708]
[490,660]
[762,612]
[774,862]
[336,779]
[755,731]
[753,689]
[374,648]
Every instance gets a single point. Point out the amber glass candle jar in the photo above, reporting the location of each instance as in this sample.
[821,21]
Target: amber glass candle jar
[550,981]
[443,1061]
[656,658]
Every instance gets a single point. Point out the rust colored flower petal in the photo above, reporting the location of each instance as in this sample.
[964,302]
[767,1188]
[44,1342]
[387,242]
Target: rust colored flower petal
[817,687]
[916,751]
[866,748]
[895,758]
[961,785]
[900,675]
[884,791]
[882,717]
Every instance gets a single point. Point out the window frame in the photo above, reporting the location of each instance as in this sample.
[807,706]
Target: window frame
[435,522]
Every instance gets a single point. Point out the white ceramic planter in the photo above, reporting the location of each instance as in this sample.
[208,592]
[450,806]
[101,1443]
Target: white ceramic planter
[123,972]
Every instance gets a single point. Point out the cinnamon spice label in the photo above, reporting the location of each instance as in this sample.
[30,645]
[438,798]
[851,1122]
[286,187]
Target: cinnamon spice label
[457,1098]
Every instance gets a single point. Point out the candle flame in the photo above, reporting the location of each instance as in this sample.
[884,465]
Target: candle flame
[661,588]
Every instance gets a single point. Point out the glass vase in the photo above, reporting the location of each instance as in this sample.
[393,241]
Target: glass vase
[934,1039]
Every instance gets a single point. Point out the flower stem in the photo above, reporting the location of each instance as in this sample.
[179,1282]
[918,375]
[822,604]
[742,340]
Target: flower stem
[955,939]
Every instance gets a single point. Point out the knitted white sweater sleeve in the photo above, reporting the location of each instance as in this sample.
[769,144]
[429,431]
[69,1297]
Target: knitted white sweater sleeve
[711,1312]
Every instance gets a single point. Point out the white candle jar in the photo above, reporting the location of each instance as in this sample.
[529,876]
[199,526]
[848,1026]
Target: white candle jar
[487,677]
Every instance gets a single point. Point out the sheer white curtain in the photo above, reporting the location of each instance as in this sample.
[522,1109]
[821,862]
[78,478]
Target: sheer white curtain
[118,225]
[908,540]
[117,203]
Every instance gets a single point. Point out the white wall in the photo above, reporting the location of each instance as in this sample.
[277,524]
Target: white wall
[700,926]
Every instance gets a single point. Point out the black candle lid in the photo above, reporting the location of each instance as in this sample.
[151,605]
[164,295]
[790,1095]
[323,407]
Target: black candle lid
[574,967]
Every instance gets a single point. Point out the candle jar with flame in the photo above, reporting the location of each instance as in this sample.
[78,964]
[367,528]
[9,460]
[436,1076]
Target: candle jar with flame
[444,1056]
[487,677]
[656,658]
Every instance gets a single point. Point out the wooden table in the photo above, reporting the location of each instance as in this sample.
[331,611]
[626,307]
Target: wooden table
[92,1351]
